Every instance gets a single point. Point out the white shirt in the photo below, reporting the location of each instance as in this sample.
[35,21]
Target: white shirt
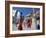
[34,22]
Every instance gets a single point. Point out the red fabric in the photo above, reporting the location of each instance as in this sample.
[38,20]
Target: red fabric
[20,23]
[28,22]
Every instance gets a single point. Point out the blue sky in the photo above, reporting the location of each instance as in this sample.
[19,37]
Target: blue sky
[24,10]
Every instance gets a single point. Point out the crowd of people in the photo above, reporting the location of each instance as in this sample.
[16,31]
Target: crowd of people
[27,22]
